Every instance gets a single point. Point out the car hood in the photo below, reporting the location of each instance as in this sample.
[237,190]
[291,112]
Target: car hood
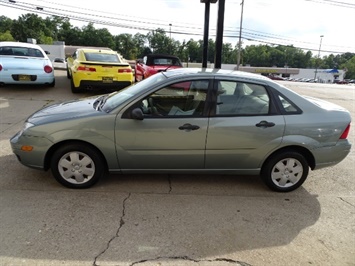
[66,110]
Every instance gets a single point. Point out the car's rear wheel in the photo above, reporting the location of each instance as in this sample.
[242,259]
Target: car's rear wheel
[73,88]
[52,84]
[68,74]
[285,171]
[77,166]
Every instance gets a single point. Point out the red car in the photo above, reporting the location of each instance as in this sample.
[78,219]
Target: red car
[154,63]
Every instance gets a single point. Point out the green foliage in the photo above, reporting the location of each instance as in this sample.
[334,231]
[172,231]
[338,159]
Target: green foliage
[6,36]
[349,66]
[5,24]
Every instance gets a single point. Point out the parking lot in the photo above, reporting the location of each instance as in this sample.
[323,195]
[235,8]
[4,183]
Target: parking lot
[171,219]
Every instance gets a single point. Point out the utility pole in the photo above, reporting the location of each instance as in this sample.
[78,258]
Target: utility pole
[219,35]
[240,35]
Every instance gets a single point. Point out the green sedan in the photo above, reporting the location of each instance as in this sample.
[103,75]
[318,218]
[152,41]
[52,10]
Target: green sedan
[188,121]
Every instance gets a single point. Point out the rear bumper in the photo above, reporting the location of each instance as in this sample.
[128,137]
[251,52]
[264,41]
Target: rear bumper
[329,156]
[34,79]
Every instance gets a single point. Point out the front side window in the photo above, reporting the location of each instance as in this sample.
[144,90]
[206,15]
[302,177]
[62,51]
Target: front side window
[178,99]
[240,98]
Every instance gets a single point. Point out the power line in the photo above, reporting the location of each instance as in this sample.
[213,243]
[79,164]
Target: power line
[251,35]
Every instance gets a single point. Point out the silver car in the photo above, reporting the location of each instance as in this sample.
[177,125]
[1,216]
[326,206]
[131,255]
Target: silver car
[188,121]
[25,63]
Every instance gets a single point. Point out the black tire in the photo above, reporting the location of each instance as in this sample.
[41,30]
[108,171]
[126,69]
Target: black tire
[52,84]
[68,74]
[73,88]
[285,171]
[77,166]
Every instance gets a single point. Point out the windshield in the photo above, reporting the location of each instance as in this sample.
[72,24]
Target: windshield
[115,99]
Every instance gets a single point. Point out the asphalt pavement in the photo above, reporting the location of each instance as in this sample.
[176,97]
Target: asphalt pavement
[171,219]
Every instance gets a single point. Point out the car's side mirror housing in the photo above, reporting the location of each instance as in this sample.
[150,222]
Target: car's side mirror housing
[137,114]
[47,52]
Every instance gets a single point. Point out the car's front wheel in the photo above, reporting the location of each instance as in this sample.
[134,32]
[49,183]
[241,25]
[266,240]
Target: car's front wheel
[286,171]
[77,166]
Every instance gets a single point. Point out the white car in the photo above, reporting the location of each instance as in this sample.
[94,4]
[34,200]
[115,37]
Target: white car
[25,63]
[59,63]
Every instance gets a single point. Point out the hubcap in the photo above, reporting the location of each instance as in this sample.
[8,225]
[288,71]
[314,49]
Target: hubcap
[287,172]
[76,167]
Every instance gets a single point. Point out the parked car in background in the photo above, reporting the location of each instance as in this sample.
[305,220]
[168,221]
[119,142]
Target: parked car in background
[338,81]
[95,69]
[25,63]
[154,63]
[275,77]
[188,121]
[60,63]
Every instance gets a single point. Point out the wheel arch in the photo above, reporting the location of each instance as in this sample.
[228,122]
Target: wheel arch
[50,152]
[302,150]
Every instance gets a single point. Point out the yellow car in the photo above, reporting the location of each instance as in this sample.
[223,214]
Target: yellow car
[95,69]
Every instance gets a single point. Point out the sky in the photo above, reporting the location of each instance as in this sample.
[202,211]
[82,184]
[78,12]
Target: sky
[300,23]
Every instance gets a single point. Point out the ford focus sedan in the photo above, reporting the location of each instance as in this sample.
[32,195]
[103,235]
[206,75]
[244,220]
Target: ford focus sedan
[188,121]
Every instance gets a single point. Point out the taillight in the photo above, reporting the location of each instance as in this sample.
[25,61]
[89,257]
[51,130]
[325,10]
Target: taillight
[345,133]
[124,70]
[48,69]
[86,68]
[0,67]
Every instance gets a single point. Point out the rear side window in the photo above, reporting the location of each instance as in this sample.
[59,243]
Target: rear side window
[287,106]
[239,98]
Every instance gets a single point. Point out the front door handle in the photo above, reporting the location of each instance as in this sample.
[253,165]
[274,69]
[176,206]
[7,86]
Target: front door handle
[188,127]
[265,124]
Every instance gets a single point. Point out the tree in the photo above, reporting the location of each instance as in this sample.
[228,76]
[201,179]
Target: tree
[6,36]
[349,66]
[140,41]
[69,34]
[159,42]
[5,24]
[29,26]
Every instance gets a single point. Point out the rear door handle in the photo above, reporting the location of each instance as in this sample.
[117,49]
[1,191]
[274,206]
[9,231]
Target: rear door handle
[188,127]
[265,124]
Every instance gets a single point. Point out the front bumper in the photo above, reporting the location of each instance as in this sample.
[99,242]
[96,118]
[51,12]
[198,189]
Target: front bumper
[36,157]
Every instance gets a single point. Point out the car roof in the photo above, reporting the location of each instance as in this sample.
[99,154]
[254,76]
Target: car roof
[216,72]
[20,44]
[92,50]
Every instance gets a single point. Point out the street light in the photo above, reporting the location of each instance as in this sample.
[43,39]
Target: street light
[320,45]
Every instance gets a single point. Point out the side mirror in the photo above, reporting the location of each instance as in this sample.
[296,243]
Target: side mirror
[137,114]
[47,52]
[139,61]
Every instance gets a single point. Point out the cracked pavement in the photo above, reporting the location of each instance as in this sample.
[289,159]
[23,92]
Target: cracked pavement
[171,220]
